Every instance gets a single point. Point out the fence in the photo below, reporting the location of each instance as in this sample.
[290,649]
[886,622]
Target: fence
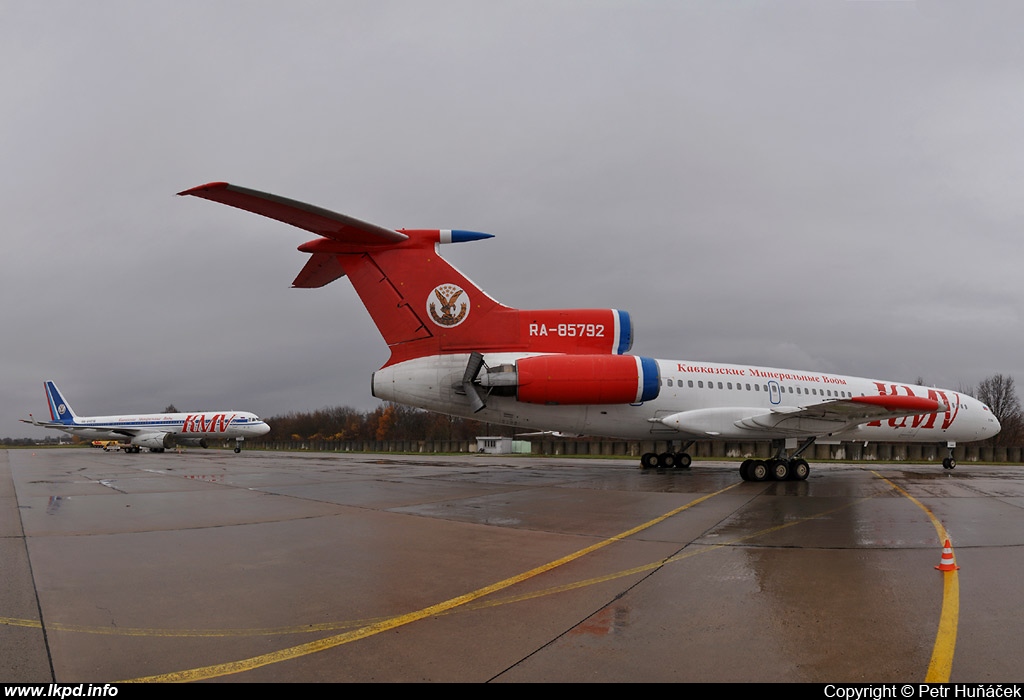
[855,452]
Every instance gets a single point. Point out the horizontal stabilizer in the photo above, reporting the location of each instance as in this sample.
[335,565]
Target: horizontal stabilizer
[320,269]
[323,222]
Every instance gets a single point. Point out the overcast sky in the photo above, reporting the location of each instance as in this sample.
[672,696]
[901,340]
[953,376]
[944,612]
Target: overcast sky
[831,186]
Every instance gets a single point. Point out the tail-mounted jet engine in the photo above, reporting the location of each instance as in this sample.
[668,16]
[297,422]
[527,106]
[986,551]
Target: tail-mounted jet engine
[567,380]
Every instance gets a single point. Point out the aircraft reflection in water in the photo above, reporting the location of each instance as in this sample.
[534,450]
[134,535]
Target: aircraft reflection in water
[456,350]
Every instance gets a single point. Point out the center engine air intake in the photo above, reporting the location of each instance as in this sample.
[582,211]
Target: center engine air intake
[581,379]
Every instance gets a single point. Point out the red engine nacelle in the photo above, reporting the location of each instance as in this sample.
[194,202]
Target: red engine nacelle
[586,379]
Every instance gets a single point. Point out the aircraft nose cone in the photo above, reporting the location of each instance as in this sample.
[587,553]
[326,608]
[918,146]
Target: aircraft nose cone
[993,428]
[263,429]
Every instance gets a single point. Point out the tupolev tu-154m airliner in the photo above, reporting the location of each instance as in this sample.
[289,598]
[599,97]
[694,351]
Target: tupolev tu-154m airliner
[455,350]
[157,431]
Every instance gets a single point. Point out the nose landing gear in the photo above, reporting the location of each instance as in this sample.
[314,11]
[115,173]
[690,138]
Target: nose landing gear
[949,462]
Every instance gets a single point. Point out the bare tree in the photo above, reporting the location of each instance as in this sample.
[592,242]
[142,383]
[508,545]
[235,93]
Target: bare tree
[999,392]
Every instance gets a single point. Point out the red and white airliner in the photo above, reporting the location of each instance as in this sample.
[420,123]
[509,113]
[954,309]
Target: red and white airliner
[155,431]
[457,351]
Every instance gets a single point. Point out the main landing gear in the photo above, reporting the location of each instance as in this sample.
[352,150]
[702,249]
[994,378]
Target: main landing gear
[778,468]
[775,469]
[668,460]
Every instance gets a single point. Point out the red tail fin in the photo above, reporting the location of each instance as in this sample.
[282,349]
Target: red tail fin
[421,304]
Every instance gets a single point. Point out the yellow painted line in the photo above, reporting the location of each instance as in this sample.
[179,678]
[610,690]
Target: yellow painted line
[217,670]
[938,671]
[163,632]
[658,564]
[476,605]
[941,665]
[18,622]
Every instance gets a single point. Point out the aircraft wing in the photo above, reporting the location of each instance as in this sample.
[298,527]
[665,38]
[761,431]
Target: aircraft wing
[322,222]
[827,417]
[841,414]
[75,428]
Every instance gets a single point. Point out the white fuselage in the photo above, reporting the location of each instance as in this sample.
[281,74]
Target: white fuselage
[711,401]
[198,426]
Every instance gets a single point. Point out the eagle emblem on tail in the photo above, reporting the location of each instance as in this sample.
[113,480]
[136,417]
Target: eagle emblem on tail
[447,306]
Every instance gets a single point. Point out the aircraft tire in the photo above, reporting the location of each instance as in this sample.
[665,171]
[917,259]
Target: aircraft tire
[758,471]
[779,469]
[237,450]
[667,460]
[649,461]
[799,470]
[684,460]
[745,469]
[949,463]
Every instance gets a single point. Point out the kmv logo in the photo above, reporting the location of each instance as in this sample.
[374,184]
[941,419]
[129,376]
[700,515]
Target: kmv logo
[62,409]
[445,307]
[201,423]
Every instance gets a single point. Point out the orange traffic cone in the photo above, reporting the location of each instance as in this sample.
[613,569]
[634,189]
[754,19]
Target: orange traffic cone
[947,563]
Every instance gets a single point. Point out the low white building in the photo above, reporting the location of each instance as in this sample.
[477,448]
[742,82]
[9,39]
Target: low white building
[502,446]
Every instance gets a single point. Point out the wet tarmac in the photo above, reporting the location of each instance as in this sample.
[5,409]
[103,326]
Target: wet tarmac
[284,567]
